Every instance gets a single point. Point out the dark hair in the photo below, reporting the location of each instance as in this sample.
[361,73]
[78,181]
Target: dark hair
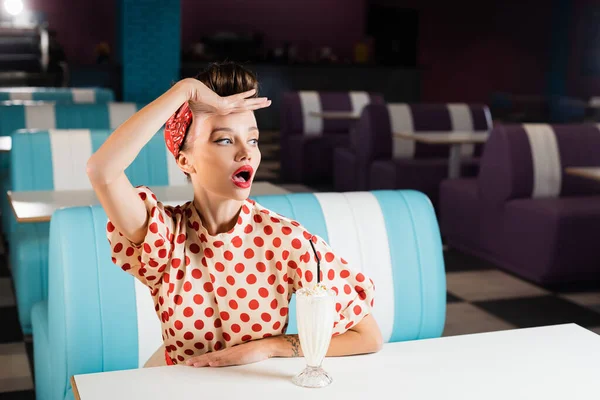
[226,79]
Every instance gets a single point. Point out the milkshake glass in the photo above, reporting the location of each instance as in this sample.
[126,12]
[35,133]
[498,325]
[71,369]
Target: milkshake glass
[315,313]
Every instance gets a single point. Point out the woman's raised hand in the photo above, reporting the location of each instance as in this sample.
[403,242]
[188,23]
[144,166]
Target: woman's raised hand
[202,100]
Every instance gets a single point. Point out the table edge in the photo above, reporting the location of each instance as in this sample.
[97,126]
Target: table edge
[424,139]
[24,220]
[74,387]
[323,115]
[580,172]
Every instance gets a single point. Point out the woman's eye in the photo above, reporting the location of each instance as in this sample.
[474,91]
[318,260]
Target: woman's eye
[254,141]
[224,141]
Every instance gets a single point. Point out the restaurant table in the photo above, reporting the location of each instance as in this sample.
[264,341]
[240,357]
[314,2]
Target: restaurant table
[38,206]
[5,144]
[455,140]
[585,172]
[335,115]
[552,362]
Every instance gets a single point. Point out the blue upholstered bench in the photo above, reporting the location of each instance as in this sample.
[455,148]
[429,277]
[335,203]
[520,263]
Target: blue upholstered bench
[98,318]
[42,115]
[56,160]
[63,95]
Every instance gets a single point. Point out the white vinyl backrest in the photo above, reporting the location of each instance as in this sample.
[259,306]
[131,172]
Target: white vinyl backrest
[71,149]
[83,95]
[356,231]
[488,118]
[462,121]
[120,112]
[359,100]
[14,95]
[311,102]
[401,121]
[174,173]
[148,324]
[547,172]
[40,116]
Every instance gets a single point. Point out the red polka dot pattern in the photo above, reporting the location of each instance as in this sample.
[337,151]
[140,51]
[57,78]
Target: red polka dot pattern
[213,292]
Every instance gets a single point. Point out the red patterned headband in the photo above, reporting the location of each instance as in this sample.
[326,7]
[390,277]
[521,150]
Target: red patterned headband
[176,128]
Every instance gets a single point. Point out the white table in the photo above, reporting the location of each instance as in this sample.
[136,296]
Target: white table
[584,172]
[5,144]
[38,206]
[335,115]
[454,139]
[555,362]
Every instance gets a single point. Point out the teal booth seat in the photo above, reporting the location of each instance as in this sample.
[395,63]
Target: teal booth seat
[58,94]
[98,318]
[56,160]
[40,115]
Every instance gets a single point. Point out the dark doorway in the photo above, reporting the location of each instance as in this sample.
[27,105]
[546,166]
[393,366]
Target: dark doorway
[395,32]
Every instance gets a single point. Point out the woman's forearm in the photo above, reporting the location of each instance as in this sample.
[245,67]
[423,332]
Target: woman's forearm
[346,344]
[125,143]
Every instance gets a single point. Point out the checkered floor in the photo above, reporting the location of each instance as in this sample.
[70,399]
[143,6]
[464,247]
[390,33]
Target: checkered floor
[481,298]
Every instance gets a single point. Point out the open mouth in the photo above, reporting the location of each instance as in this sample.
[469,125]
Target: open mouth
[243,176]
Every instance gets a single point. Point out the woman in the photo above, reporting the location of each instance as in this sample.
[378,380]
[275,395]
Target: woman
[221,268]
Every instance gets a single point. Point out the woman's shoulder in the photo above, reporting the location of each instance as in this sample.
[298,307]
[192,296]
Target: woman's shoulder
[154,204]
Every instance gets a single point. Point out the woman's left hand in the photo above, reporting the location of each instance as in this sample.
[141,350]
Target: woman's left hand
[245,353]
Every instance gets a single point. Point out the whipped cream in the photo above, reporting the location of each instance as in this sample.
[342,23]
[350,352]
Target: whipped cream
[320,289]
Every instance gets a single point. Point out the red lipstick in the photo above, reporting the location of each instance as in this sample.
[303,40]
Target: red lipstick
[242,177]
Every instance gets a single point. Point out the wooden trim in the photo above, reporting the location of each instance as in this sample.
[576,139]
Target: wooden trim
[334,115]
[584,172]
[74,387]
[447,138]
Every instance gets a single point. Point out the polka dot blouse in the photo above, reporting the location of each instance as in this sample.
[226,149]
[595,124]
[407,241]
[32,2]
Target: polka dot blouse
[212,292]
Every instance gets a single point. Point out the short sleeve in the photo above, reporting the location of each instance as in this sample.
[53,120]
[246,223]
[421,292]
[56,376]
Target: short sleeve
[146,261]
[355,291]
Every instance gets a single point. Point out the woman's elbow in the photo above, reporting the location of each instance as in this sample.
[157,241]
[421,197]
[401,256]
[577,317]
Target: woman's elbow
[371,334]
[377,342]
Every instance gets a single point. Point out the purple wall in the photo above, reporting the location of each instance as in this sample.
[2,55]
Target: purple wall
[579,84]
[468,49]
[335,23]
[474,48]
[80,25]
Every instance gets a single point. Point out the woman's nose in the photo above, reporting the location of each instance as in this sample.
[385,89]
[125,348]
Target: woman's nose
[243,154]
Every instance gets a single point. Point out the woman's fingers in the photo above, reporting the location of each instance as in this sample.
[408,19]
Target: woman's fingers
[251,106]
[251,102]
[243,95]
[213,359]
[200,361]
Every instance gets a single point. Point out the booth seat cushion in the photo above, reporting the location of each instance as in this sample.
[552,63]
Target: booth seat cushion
[62,116]
[56,160]
[297,121]
[554,239]
[29,261]
[102,319]
[314,156]
[423,175]
[65,95]
[345,174]
[41,351]
[460,209]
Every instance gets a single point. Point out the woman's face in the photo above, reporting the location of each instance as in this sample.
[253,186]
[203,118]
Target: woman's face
[222,154]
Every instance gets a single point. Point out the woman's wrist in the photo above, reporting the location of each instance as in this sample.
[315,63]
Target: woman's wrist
[185,88]
[195,90]
[284,346]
